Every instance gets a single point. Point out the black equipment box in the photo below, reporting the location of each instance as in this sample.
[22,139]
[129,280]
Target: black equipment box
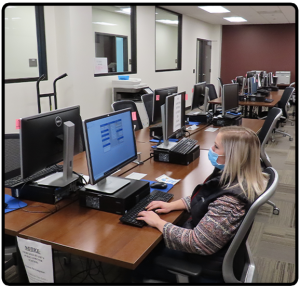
[156,131]
[119,202]
[196,117]
[257,98]
[265,92]
[243,97]
[163,155]
[44,194]
[227,122]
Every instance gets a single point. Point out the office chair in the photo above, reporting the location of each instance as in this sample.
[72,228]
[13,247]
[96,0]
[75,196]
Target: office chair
[212,93]
[292,102]
[147,99]
[12,169]
[282,104]
[221,85]
[123,104]
[238,265]
[264,135]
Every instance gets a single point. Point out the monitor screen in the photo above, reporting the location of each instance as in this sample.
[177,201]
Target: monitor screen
[173,118]
[230,98]
[198,95]
[253,85]
[42,139]
[110,143]
[175,109]
[160,99]
[147,99]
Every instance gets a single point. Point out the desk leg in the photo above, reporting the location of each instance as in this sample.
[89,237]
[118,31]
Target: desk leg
[250,112]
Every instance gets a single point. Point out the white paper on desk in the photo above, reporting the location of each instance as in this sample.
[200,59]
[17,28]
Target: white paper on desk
[166,179]
[37,259]
[211,129]
[193,127]
[136,176]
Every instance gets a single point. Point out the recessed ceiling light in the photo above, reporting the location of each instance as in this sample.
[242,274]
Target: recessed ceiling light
[174,22]
[125,11]
[214,9]
[104,23]
[235,19]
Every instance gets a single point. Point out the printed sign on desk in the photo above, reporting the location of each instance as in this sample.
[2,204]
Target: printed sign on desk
[37,259]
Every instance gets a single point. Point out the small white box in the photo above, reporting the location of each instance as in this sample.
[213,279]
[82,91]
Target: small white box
[284,77]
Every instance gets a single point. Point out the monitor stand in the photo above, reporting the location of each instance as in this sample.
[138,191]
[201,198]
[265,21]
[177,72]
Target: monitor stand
[109,185]
[62,179]
[166,144]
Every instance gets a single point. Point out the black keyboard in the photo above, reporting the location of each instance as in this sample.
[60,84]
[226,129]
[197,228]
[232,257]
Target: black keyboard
[131,215]
[15,181]
[184,145]
[269,100]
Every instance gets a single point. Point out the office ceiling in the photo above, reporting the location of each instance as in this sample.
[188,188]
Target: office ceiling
[253,14]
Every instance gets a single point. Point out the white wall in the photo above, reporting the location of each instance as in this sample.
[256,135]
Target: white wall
[70,49]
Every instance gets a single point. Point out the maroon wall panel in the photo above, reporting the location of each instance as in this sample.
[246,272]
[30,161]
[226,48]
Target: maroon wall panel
[257,47]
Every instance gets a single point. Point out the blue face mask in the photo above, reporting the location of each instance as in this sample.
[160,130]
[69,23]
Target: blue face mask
[213,157]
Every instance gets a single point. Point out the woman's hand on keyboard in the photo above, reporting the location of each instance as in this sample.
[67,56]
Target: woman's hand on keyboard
[152,219]
[159,207]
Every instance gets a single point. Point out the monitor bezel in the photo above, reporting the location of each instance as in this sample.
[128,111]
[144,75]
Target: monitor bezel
[94,181]
[43,115]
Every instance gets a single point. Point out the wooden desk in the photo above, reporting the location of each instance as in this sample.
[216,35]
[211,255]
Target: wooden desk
[101,236]
[275,95]
[18,220]
[206,139]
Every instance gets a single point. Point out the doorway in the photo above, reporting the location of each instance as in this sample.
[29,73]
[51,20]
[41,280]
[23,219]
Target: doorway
[203,61]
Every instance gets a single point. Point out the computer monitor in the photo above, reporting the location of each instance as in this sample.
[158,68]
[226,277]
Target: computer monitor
[250,74]
[230,99]
[147,99]
[173,118]
[47,139]
[198,97]
[252,85]
[159,99]
[270,78]
[110,145]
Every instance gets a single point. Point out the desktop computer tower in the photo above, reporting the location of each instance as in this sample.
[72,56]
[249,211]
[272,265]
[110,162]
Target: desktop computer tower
[119,202]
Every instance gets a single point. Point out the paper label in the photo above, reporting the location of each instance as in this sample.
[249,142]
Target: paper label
[157,97]
[133,115]
[186,97]
[18,124]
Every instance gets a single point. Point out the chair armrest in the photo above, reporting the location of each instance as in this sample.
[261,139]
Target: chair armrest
[179,266]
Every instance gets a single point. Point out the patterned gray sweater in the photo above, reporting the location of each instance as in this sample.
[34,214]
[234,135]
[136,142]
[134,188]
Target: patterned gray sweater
[213,232]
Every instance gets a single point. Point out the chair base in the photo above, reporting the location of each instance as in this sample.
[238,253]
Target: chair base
[275,209]
[284,134]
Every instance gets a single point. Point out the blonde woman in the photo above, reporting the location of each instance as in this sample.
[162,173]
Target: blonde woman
[216,207]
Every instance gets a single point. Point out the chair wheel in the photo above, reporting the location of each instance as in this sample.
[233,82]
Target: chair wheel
[276,211]
[291,139]
[292,123]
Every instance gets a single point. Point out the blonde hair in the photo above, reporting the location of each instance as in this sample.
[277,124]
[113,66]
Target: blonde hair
[242,161]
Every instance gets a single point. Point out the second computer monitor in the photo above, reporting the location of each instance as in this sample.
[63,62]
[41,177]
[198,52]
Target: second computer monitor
[230,99]
[160,99]
[198,95]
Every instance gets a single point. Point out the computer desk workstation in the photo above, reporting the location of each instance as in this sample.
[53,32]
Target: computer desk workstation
[100,235]
[275,95]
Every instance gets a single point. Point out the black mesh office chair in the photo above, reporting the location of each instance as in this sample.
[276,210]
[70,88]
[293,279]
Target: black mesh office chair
[212,93]
[293,103]
[123,104]
[238,265]
[283,105]
[147,99]
[264,136]
[12,169]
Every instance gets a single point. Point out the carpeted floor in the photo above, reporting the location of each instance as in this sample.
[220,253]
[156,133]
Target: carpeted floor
[272,239]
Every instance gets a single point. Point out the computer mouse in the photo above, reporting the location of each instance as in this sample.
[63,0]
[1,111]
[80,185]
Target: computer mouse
[159,185]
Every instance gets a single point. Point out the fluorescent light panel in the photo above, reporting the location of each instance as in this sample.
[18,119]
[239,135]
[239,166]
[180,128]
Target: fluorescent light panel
[214,9]
[125,11]
[235,19]
[168,21]
[104,23]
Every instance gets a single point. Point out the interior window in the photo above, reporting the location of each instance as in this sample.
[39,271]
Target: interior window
[115,34]
[168,40]
[24,38]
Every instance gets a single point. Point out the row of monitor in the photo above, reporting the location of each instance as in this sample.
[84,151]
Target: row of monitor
[48,138]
